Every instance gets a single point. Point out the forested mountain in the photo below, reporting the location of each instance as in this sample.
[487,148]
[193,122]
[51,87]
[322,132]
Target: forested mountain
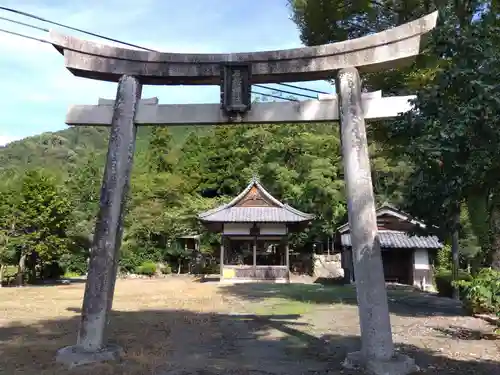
[181,171]
[65,148]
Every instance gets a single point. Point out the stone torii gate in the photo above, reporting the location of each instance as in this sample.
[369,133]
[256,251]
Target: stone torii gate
[235,72]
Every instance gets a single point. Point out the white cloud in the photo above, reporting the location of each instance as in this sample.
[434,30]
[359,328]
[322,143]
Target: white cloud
[5,139]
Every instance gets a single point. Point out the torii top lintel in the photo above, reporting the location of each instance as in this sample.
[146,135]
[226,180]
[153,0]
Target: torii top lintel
[384,50]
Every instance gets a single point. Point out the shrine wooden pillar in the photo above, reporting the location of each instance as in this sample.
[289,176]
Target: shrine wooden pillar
[221,257]
[255,256]
[287,259]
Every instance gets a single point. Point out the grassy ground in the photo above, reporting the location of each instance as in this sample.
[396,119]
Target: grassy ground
[178,324]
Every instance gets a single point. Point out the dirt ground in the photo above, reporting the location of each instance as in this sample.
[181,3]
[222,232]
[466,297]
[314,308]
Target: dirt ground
[180,326]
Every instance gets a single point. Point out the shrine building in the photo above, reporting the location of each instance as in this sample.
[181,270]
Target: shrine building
[255,228]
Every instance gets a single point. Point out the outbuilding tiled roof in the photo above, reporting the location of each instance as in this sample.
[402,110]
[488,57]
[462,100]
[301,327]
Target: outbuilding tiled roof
[274,212]
[387,209]
[400,240]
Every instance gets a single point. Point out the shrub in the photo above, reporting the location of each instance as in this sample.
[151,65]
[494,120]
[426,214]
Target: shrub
[74,263]
[210,269]
[443,258]
[52,271]
[133,257]
[443,279]
[70,275]
[482,293]
[146,268]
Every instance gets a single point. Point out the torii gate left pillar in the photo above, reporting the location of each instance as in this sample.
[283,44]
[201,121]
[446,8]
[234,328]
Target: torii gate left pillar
[374,52]
[103,263]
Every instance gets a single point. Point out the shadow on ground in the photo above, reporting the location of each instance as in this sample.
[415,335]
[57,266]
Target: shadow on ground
[402,301]
[183,342]
[51,283]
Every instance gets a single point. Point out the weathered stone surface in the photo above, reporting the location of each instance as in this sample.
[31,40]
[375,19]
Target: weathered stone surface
[399,364]
[261,113]
[74,356]
[384,50]
[107,239]
[111,102]
[376,336]
[327,266]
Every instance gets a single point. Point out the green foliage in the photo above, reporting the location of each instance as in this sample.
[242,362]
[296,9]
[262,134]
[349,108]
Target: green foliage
[443,280]
[133,256]
[70,274]
[432,161]
[84,183]
[75,262]
[176,176]
[43,217]
[443,258]
[35,217]
[62,149]
[159,157]
[482,293]
[147,268]
[8,219]
[452,137]
[52,271]
[210,269]
[453,133]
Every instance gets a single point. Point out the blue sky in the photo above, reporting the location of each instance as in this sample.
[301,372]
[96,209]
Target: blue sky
[37,89]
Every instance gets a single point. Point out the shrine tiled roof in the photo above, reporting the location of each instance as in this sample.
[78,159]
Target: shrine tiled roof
[266,209]
[399,240]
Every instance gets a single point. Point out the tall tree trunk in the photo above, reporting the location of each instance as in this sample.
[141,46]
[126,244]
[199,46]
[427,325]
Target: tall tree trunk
[2,270]
[21,268]
[479,208]
[494,226]
[455,250]
[31,264]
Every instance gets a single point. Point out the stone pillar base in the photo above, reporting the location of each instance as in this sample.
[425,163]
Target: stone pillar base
[74,356]
[400,364]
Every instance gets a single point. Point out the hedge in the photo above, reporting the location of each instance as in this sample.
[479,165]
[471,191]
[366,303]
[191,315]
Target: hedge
[443,279]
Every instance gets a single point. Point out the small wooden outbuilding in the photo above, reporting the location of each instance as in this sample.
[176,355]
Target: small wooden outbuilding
[407,257]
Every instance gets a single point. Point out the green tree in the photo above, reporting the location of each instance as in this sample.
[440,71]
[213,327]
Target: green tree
[451,137]
[158,152]
[44,215]
[7,222]
[84,185]
[453,132]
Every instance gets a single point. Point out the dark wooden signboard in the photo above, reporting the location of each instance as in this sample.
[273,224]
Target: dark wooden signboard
[236,88]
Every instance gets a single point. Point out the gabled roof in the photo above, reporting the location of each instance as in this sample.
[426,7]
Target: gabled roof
[392,239]
[255,205]
[395,239]
[387,209]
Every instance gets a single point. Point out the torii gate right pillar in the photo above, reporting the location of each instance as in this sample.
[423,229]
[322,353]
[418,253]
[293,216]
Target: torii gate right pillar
[377,349]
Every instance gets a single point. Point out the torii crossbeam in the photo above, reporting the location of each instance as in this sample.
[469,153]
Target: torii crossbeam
[149,112]
[235,72]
